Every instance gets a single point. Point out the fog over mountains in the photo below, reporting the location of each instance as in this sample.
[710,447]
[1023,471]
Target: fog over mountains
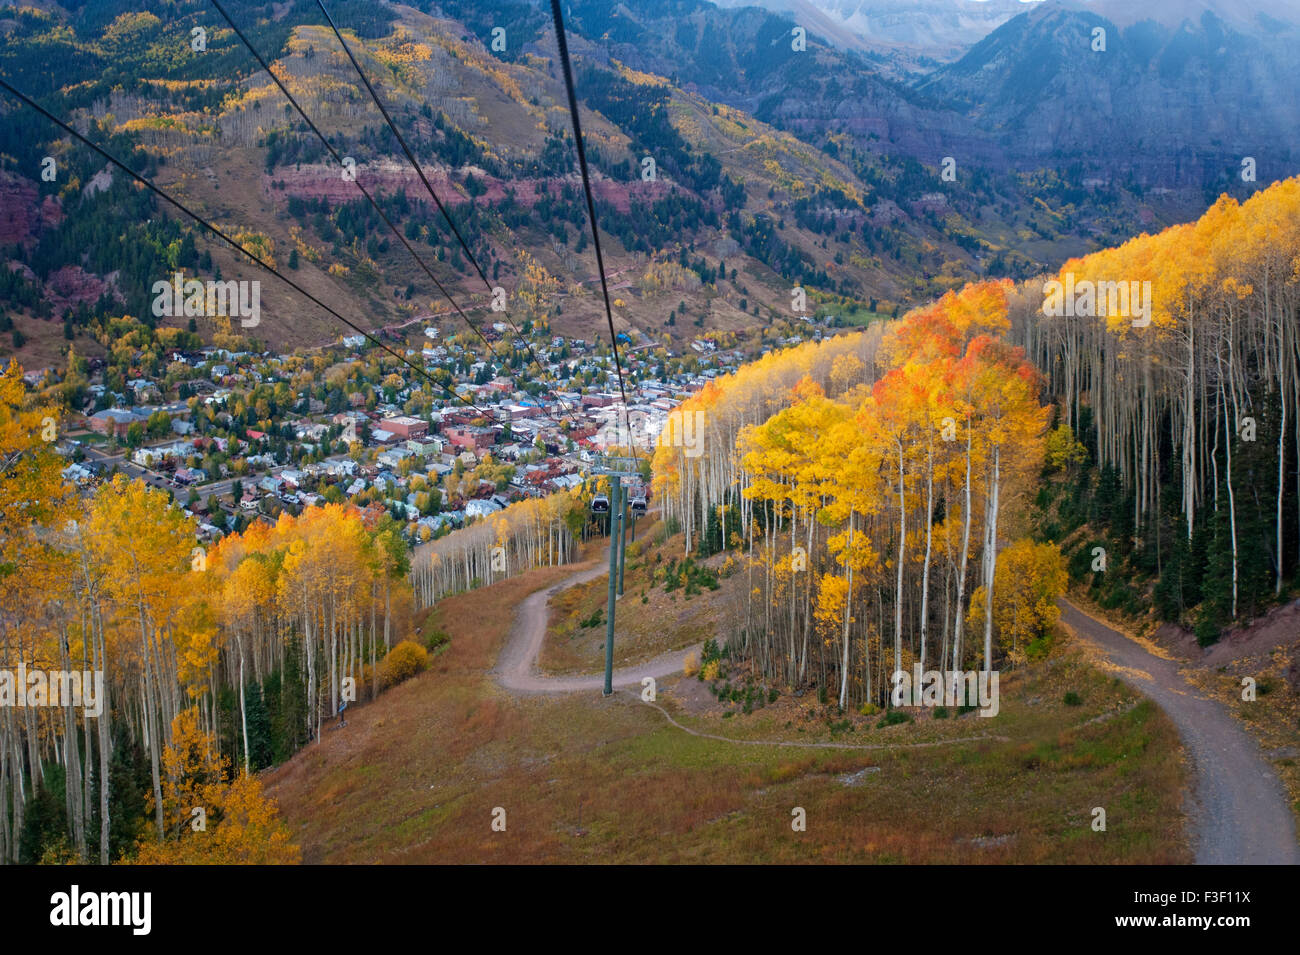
[945,29]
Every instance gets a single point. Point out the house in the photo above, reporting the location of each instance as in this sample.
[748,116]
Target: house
[517,411]
[412,513]
[343,417]
[481,508]
[114,421]
[393,457]
[75,472]
[425,447]
[143,388]
[342,468]
[148,457]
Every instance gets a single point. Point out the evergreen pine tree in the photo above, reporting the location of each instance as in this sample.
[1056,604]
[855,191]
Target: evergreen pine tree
[259,727]
[1216,607]
[45,822]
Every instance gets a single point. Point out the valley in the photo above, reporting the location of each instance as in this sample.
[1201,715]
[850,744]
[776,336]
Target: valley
[927,373]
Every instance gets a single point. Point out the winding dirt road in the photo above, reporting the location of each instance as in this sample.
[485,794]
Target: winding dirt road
[516,668]
[1240,814]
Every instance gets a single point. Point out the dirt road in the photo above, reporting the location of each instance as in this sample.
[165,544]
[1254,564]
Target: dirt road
[516,668]
[1240,813]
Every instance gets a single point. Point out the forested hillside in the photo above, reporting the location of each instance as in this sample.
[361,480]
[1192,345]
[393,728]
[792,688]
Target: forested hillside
[911,480]
[745,209]
[1190,422]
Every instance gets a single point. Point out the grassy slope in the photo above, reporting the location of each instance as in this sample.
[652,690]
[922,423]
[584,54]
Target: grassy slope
[415,776]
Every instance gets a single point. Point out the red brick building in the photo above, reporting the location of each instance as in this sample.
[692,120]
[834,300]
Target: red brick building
[469,438]
[405,427]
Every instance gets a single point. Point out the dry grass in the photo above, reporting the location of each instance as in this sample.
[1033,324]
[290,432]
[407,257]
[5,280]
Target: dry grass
[650,621]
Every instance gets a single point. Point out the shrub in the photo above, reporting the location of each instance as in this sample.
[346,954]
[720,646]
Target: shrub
[436,640]
[1038,648]
[710,670]
[1072,698]
[1207,629]
[941,712]
[893,718]
[868,709]
[690,666]
[403,662]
